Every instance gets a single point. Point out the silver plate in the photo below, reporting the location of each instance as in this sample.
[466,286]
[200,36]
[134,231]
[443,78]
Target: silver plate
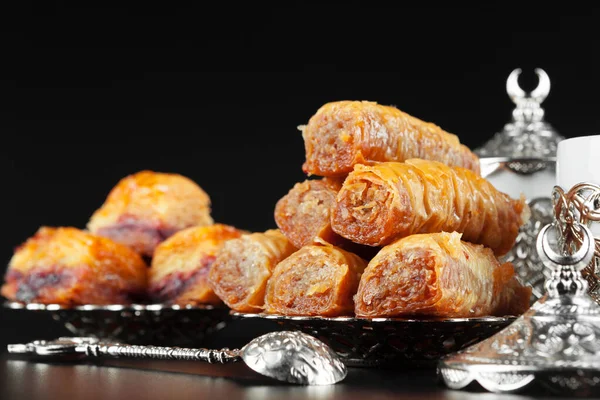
[391,342]
[136,323]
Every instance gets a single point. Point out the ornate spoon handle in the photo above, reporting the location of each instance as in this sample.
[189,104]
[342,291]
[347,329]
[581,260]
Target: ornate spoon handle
[92,347]
[288,356]
[117,350]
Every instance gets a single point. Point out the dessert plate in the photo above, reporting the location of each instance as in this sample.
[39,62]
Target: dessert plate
[136,323]
[391,342]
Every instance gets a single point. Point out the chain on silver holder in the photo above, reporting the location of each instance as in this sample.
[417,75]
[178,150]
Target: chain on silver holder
[579,206]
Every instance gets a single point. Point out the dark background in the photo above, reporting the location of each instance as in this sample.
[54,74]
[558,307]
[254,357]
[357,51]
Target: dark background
[215,92]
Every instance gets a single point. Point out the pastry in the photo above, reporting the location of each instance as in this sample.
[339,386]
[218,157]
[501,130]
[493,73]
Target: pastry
[438,275]
[318,279]
[345,133]
[381,203]
[180,266]
[239,274]
[304,213]
[71,267]
[145,208]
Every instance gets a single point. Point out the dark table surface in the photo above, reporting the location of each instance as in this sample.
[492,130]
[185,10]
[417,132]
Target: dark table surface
[20,379]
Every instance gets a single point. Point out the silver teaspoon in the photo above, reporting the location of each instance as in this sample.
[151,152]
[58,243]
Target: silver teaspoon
[287,356]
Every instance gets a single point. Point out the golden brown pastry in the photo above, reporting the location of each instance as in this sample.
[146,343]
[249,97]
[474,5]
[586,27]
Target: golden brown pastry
[239,274]
[304,214]
[345,133]
[145,208]
[180,266]
[70,267]
[381,203]
[318,279]
[439,275]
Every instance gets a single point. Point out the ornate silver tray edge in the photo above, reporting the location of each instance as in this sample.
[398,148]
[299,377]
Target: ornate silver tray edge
[154,324]
[15,305]
[389,342]
[278,317]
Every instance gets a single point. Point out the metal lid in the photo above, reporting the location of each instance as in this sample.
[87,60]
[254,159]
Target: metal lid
[527,136]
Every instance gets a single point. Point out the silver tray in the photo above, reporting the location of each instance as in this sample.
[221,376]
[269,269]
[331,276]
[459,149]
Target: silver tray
[391,342]
[136,323]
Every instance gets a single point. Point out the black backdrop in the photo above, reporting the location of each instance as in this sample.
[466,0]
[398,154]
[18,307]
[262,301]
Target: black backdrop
[215,92]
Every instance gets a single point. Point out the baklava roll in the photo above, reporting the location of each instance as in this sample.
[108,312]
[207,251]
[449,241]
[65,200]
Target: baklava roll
[240,273]
[438,275]
[71,267]
[145,208]
[345,133]
[381,203]
[304,214]
[180,266]
[318,279]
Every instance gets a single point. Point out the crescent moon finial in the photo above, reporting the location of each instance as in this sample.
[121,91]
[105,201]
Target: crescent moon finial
[517,94]
[540,93]
[512,86]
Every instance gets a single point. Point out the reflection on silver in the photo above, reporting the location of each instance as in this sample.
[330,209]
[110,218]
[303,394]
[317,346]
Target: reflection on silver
[163,324]
[521,159]
[294,357]
[287,356]
[320,392]
[394,342]
[556,343]
[15,305]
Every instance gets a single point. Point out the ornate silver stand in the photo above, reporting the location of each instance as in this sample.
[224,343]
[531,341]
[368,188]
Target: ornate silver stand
[521,159]
[556,343]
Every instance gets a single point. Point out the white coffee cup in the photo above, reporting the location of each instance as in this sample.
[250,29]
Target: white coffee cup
[577,161]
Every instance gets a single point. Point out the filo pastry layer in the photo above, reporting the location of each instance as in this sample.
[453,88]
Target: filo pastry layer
[243,266]
[65,265]
[381,203]
[304,213]
[318,279]
[438,275]
[145,208]
[345,133]
[180,266]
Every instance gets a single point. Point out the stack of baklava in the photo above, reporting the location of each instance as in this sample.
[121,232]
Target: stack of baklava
[400,223]
[394,220]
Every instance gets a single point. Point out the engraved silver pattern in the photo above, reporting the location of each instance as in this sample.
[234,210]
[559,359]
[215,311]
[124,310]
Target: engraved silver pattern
[293,357]
[93,347]
[530,271]
[556,343]
[526,142]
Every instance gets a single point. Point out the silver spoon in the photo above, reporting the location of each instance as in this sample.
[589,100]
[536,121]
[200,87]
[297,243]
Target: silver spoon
[287,356]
